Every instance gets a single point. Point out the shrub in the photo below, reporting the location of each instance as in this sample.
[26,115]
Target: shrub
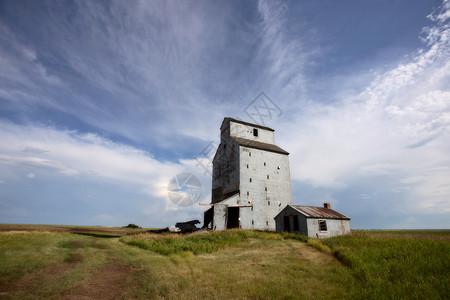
[133,226]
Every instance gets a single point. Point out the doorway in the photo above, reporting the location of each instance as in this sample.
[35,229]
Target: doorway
[286,224]
[232,217]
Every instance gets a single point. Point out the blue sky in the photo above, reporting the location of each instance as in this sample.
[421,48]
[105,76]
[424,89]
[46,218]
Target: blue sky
[103,102]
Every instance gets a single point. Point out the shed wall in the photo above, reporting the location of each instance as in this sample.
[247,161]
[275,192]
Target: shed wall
[335,227]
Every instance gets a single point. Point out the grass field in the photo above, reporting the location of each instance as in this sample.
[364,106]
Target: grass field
[109,263]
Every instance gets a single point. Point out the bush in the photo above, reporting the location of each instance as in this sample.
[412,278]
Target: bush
[133,226]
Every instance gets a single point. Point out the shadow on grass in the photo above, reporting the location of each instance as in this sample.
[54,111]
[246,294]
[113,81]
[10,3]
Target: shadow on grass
[98,235]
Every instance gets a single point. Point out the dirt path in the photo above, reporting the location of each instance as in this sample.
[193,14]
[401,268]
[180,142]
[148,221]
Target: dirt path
[108,283]
[31,284]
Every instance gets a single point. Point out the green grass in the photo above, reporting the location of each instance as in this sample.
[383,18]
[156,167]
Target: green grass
[36,256]
[25,252]
[260,265]
[230,264]
[395,267]
[200,243]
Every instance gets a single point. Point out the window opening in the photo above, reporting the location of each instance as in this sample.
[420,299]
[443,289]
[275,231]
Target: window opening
[248,193]
[267,222]
[322,225]
[255,132]
[268,202]
[267,176]
[265,188]
[250,180]
[264,164]
[249,154]
[247,166]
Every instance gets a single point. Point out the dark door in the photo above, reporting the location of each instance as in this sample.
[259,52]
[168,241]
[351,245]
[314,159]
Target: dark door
[286,224]
[296,225]
[232,217]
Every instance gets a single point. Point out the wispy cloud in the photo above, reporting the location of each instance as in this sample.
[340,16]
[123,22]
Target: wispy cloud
[127,94]
[399,125]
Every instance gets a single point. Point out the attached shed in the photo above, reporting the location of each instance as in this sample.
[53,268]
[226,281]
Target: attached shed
[312,221]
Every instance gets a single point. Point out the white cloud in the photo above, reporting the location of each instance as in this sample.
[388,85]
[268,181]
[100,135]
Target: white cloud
[378,169]
[397,128]
[84,155]
[413,179]
[36,163]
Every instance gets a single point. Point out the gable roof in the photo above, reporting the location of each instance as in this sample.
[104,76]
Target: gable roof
[318,212]
[259,145]
[226,120]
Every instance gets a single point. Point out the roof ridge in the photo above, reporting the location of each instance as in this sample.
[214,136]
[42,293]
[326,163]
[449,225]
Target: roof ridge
[248,123]
[259,145]
[319,212]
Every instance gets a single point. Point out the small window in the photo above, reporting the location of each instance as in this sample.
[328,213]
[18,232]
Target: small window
[265,188]
[267,222]
[255,132]
[322,225]
[253,222]
[252,208]
[248,193]
[278,167]
[247,166]
[267,176]
[249,154]
[224,146]
[264,164]
[250,180]
[268,202]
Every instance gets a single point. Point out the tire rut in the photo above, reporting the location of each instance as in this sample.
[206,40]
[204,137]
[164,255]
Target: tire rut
[108,283]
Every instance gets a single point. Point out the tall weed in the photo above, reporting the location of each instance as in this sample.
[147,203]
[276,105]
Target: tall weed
[167,244]
[395,266]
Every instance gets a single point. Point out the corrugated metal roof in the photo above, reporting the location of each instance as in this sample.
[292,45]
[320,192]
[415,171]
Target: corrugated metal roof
[259,145]
[319,212]
[226,120]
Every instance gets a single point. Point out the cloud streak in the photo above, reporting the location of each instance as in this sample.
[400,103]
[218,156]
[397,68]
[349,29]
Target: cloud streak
[123,96]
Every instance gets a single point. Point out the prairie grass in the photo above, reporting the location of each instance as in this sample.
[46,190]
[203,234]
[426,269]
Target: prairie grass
[395,266]
[43,263]
[23,252]
[228,264]
[167,244]
[263,265]
[319,246]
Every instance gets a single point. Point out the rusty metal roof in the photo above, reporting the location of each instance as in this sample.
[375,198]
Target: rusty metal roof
[319,212]
[259,145]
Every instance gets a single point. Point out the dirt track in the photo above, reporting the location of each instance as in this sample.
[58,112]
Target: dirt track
[108,282]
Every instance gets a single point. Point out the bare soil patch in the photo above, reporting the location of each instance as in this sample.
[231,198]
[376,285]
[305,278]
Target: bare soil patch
[108,283]
[30,284]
